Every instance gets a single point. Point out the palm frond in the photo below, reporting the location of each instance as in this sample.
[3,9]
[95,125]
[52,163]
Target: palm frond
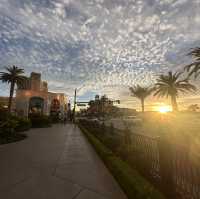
[12,74]
[172,85]
[194,67]
[195,52]
[141,92]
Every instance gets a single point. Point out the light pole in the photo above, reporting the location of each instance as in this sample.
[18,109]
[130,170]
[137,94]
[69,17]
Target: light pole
[74,109]
[75,95]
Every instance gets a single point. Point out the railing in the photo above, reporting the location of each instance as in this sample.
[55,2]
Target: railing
[146,149]
[186,176]
[170,165]
[173,165]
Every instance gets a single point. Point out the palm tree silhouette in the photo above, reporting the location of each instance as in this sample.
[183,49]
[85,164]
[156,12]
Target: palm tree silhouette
[171,85]
[12,76]
[141,93]
[194,67]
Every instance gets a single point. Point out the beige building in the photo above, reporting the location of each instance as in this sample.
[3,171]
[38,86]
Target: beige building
[33,97]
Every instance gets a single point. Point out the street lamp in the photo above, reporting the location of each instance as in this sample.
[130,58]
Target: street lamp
[75,95]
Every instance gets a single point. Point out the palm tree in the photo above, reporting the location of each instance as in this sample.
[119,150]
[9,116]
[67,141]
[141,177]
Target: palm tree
[171,85]
[141,93]
[194,68]
[12,76]
[193,107]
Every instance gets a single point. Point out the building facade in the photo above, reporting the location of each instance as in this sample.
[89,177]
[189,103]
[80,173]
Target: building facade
[32,96]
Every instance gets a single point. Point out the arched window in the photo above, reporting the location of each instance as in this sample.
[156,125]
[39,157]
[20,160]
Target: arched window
[36,105]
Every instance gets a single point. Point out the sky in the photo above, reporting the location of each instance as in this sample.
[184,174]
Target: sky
[99,46]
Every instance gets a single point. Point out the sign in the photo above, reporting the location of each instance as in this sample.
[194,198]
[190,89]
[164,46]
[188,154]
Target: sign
[78,104]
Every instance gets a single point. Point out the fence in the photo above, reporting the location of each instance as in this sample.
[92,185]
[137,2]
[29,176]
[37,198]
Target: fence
[177,170]
[146,153]
[171,165]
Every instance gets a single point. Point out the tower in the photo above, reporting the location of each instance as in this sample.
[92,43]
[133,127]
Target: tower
[35,81]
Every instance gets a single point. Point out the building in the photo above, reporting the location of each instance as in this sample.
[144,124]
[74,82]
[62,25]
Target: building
[32,96]
[4,102]
[100,106]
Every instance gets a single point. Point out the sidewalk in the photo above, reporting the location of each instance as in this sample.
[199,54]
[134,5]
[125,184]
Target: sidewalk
[55,163]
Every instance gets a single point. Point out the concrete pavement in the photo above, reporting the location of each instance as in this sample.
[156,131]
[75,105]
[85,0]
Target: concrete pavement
[55,163]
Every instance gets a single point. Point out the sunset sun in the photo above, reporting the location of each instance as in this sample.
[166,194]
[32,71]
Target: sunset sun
[164,109]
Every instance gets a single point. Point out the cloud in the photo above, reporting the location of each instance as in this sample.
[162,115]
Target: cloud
[98,43]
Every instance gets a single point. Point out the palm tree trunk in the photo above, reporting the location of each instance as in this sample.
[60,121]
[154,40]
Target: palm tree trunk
[174,103]
[12,86]
[142,104]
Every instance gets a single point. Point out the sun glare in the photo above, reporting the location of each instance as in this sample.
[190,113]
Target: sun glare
[164,109]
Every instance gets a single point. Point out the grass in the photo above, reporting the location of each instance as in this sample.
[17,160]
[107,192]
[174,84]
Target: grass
[133,184]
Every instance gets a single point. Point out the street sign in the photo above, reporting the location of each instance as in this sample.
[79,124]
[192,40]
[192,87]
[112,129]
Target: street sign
[78,104]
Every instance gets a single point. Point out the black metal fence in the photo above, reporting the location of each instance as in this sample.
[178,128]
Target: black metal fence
[146,153]
[171,166]
[174,166]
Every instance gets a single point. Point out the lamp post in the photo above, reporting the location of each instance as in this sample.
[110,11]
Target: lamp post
[74,109]
[75,96]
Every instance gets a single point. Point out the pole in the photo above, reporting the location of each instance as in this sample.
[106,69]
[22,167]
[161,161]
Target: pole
[74,111]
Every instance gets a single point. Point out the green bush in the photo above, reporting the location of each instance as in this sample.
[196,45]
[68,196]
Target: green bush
[8,127]
[3,114]
[23,124]
[112,142]
[8,132]
[40,121]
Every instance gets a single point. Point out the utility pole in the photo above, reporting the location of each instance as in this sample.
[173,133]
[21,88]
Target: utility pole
[74,110]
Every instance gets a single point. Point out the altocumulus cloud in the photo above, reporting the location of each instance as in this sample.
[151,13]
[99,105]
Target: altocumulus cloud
[105,45]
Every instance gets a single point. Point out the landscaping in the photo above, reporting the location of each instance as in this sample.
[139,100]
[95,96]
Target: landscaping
[162,161]
[10,137]
[12,127]
[133,184]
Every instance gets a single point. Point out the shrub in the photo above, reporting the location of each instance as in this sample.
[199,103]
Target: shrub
[8,127]
[24,124]
[8,133]
[40,121]
[3,114]
[112,142]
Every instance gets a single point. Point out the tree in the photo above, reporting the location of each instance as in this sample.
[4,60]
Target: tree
[172,85]
[194,67]
[141,93]
[12,76]
[193,108]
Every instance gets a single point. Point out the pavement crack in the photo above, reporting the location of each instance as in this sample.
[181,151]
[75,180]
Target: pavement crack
[78,194]
[12,186]
[82,187]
